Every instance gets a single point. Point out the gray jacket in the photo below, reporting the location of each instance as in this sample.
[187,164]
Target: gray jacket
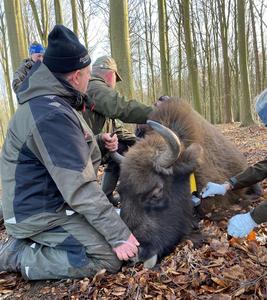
[49,163]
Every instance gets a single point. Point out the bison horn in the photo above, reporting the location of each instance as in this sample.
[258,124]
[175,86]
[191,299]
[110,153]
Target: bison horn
[172,153]
[117,157]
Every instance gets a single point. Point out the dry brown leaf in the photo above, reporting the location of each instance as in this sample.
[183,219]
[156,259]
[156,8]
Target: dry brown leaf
[184,272]
[115,293]
[251,236]
[84,284]
[219,281]
[239,292]
[207,288]
[99,275]
[220,297]
[148,296]
[5,291]
[219,247]
[181,279]
[235,272]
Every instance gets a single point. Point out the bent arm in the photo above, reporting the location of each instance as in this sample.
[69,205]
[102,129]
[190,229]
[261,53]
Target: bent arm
[259,214]
[250,176]
[21,73]
[108,102]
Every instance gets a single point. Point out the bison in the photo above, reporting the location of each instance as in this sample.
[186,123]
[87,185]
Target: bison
[154,181]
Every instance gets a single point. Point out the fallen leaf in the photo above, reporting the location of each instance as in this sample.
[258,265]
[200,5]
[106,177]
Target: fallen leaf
[251,236]
[219,281]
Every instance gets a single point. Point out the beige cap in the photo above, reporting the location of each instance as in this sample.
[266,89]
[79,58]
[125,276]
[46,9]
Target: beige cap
[107,62]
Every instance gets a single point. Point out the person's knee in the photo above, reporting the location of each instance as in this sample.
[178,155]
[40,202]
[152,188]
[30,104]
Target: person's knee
[112,264]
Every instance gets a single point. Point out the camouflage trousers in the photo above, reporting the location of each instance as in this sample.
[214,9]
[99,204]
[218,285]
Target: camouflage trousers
[73,250]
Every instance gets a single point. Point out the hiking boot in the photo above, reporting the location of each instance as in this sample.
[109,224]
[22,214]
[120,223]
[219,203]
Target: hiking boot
[11,253]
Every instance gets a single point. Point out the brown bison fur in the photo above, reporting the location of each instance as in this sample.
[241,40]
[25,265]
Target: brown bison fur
[221,158]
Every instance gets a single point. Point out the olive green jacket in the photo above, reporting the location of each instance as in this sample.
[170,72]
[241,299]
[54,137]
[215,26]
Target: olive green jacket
[250,176]
[105,102]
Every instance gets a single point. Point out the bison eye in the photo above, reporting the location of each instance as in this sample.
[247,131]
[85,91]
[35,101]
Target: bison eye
[157,193]
[155,200]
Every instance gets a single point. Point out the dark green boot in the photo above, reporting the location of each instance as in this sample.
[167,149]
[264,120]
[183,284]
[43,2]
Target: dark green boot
[109,183]
[11,253]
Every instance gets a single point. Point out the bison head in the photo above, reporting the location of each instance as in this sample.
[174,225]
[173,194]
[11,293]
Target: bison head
[155,190]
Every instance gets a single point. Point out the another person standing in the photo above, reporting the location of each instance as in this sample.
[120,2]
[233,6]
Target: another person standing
[104,103]
[36,52]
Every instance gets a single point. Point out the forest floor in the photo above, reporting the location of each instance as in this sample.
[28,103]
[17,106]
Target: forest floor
[220,269]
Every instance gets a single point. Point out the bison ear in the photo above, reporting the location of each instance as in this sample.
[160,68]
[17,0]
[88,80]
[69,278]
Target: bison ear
[194,153]
[190,159]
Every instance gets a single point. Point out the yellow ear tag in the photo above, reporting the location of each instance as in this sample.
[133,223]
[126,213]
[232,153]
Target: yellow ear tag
[193,185]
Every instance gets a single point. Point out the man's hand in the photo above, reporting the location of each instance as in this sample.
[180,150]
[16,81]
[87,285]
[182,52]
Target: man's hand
[128,249]
[29,64]
[212,189]
[241,225]
[111,142]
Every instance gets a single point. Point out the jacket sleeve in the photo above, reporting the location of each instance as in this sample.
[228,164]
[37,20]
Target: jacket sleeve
[61,146]
[21,73]
[108,102]
[259,214]
[250,176]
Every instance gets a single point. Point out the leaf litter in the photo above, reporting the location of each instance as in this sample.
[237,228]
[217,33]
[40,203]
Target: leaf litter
[221,269]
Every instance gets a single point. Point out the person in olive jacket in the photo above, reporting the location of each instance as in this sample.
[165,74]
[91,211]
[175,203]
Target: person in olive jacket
[240,225]
[105,103]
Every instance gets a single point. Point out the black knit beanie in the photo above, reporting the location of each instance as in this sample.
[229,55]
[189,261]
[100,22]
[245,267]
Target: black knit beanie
[64,52]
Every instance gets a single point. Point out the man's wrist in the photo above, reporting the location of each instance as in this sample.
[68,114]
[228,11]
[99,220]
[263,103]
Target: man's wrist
[228,186]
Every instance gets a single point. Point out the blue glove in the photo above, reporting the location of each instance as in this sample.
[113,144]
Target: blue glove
[241,225]
[212,189]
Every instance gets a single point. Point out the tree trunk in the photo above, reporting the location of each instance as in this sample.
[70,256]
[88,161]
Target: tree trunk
[209,68]
[164,51]
[58,12]
[236,73]
[16,33]
[180,63]
[191,59]
[5,64]
[255,49]
[140,70]
[41,30]
[217,65]
[228,115]
[246,117]
[74,16]
[120,46]
[2,131]
[44,13]
[84,23]
[149,48]
[263,52]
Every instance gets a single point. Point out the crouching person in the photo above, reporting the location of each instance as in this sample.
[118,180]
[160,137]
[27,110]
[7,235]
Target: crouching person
[61,224]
